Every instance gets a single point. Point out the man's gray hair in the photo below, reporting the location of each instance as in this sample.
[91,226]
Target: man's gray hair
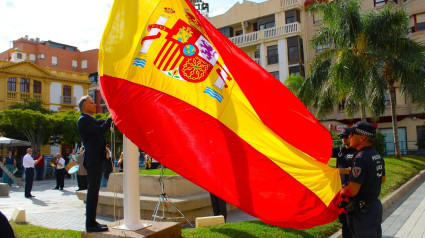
[82,101]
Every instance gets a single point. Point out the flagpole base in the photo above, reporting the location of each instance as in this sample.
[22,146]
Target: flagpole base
[135,227]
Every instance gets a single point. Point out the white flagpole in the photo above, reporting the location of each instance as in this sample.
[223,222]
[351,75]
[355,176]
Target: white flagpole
[131,187]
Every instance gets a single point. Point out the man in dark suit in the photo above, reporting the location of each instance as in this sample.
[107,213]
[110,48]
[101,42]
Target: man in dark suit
[91,132]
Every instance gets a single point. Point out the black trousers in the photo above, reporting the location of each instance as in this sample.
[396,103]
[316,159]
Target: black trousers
[94,176]
[5,228]
[346,231]
[29,179]
[60,178]
[82,182]
[367,225]
[219,206]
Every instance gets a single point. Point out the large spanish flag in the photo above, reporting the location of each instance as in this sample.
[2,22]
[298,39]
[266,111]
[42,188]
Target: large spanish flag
[183,93]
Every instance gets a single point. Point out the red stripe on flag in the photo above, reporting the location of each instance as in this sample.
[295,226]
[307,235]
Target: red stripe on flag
[161,52]
[171,58]
[206,152]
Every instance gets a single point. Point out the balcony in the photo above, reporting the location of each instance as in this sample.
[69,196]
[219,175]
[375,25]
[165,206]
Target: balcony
[20,96]
[268,34]
[68,100]
[291,3]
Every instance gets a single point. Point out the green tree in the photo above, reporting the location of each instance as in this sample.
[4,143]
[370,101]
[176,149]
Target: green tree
[369,54]
[399,59]
[66,127]
[34,125]
[339,73]
[35,105]
[294,83]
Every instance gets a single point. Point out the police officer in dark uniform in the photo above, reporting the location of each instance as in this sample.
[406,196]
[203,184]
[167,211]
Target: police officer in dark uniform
[366,177]
[344,160]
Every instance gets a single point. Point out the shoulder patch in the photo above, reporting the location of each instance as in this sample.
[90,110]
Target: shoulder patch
[359,154]
[356,171]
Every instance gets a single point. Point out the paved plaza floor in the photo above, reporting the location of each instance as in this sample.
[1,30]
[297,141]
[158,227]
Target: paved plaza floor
[63,210]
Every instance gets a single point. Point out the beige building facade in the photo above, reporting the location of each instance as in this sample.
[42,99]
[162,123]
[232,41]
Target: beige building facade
[58,89]
[276,35]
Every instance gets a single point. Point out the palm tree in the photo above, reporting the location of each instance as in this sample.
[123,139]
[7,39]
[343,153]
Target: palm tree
[368,54]
[340,72]
[399,59]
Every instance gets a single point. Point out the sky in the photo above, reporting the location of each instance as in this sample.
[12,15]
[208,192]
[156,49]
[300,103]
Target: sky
[78,23]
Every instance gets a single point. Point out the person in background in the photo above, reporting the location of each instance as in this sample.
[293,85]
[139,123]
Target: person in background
[67,158]
[10,164]
[73,158]
[60,172]
[28,163]
[120,162]
[39,168]
[108,168]
[344,160]
[219,206]
[81,173]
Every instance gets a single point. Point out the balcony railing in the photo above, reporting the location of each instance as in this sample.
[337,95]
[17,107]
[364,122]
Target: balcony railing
[20,96]
[245,38]
[266,34]
[68,100]
[290,3]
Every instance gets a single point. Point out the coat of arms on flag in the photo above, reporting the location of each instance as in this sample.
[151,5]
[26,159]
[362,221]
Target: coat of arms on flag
[184,53]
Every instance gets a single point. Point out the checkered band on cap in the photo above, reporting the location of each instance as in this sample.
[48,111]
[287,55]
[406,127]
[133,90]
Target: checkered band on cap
[366,133]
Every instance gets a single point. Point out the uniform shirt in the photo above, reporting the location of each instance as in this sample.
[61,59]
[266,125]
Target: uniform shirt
[28,162]
[368,169]
[62,161]
[344,159]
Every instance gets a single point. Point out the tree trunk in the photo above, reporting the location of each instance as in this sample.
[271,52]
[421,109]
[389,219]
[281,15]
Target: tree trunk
[394,119]
[363,113]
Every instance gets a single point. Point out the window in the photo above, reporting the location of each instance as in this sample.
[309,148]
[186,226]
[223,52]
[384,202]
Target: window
[92,94]
[11,84]
[320,48]
[239,33]
[294,70]
[37,87]
[272,55]
[57,46]
[266,22]
[293,53]
[341,105]
[41,56]
[84,64]
[25,85]
[227,31]
[292,16]
[420,133]
[275,74]
[32,58]
[75,64]
[317,18]
[382,2]
[66,94]
[387,100]
[54,60]
[421,26]
[19,55]
[257,54]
